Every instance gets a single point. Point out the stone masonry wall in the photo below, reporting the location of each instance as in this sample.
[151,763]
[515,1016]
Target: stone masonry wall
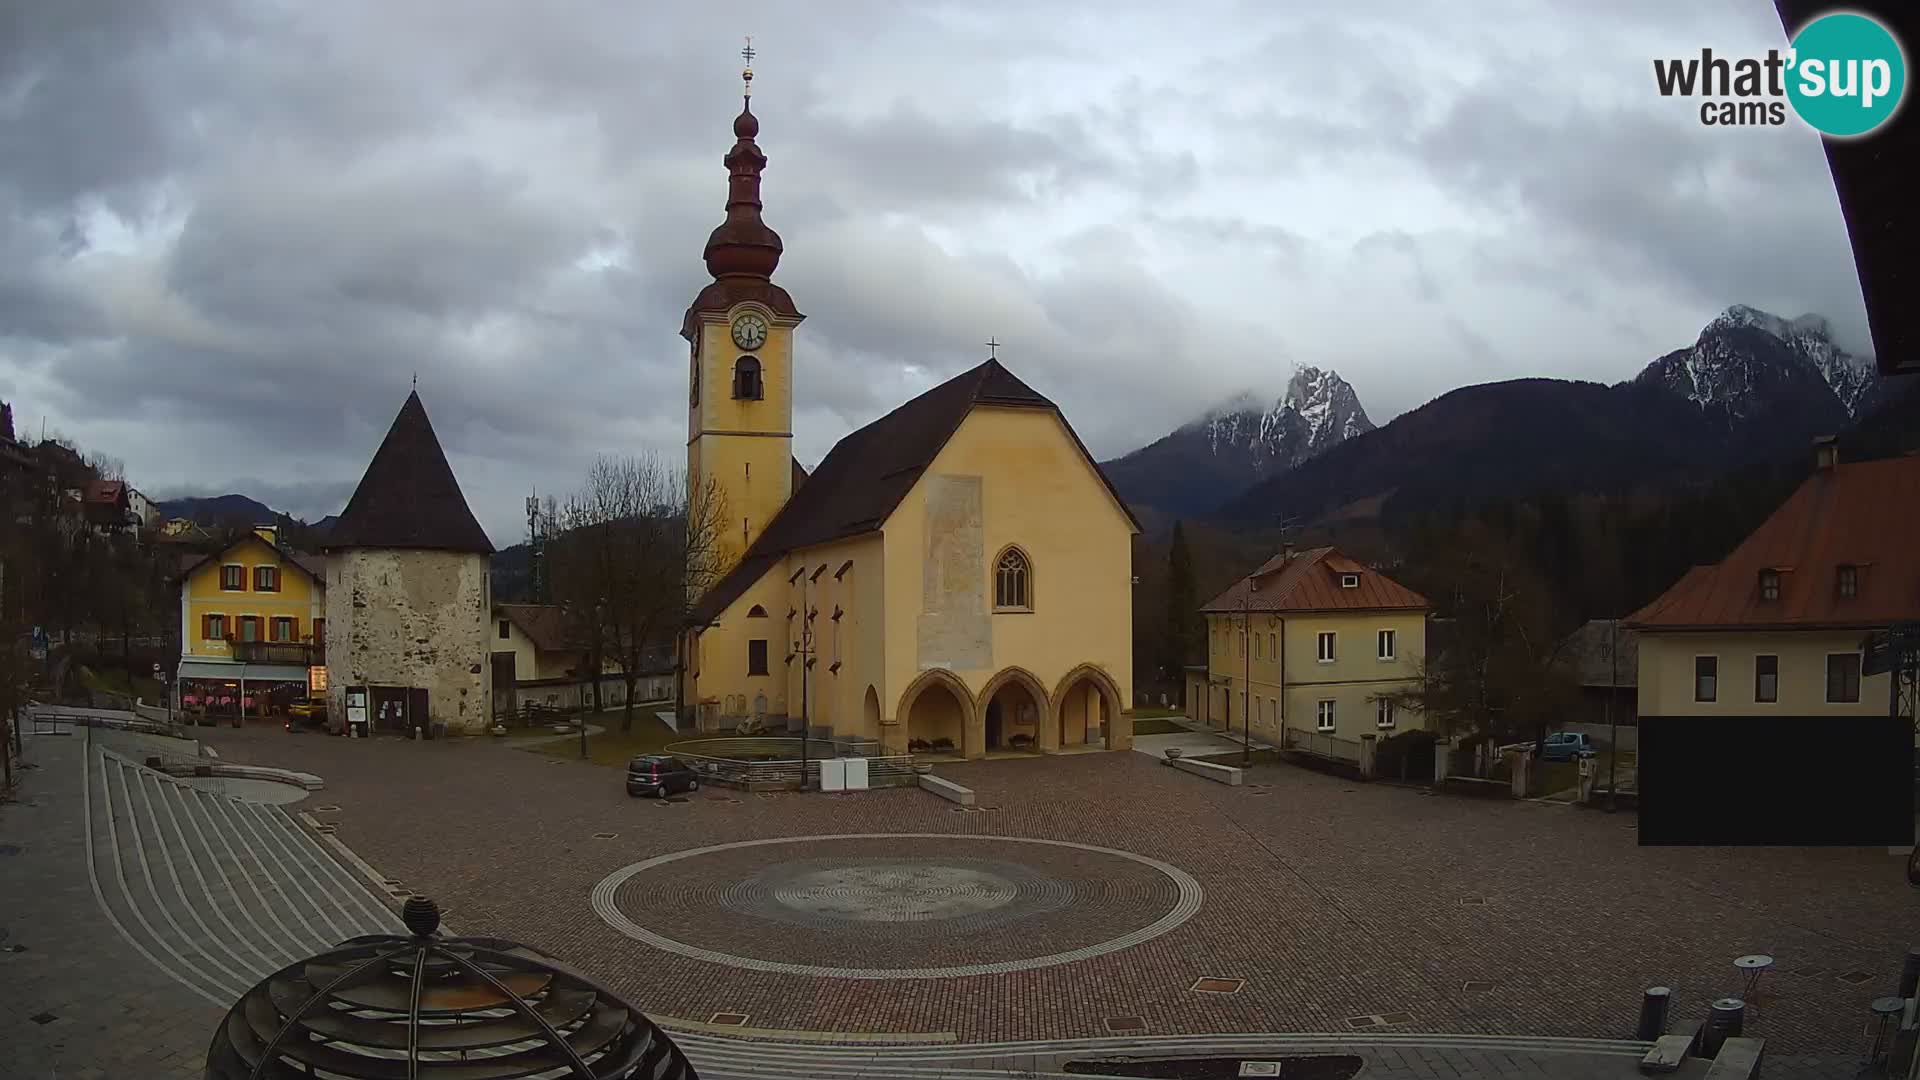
[415,619]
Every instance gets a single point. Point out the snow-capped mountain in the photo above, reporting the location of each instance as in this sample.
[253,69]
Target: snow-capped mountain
[1241,440]
[1747,361]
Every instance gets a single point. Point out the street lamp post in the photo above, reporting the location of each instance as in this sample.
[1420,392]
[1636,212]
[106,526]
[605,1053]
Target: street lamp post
[803,649]
[1613,724]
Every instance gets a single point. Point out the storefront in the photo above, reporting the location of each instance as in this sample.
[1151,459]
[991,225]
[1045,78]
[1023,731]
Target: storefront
[231,691]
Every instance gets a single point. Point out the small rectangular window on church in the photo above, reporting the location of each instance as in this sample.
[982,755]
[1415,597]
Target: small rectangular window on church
[757,656]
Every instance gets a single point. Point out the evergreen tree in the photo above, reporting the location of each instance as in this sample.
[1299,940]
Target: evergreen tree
[1181,630]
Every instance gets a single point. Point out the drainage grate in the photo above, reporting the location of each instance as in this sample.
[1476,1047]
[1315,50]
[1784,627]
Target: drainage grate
[1357,1022]
[1474,901]
[1476,986]
[1125,1023]
[730,1019]
[1855,977]
[670,799]
[10,849]
[1396,1018]
[605,835]
[1811,972]
[328,809]
[43,1018]
[1212,984]
[327,829]
[1259,1068]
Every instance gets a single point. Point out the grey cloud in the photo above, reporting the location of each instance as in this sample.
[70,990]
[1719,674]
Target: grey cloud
[306,205]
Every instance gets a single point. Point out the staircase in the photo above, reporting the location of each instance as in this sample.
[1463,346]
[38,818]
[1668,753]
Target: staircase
[218,892]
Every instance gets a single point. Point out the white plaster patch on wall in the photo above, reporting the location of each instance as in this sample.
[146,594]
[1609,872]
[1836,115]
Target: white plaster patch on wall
[954,628]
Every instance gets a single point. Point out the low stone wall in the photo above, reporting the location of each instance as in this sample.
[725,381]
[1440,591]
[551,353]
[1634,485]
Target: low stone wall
[1219,774]
[947,790]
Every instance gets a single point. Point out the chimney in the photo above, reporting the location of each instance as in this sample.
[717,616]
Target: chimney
[1826,452]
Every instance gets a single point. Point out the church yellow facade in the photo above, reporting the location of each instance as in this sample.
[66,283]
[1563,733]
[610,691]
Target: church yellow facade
[955,578]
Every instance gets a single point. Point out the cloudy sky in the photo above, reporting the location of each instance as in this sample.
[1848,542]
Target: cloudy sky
[232,232]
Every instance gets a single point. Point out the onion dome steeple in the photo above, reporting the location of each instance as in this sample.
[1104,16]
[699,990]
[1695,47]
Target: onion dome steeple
[743,245]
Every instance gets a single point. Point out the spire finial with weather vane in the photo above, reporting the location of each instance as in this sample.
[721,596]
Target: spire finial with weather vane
[746,73]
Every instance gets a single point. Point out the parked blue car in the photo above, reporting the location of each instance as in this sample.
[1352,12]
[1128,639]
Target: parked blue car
[1566,746]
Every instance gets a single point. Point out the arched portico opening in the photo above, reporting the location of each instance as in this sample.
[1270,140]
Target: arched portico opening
[1013,711]
[1087,711]
[939,716]
[870,714]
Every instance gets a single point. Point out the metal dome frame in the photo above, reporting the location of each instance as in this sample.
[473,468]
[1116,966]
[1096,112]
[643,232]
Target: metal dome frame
[371,1010]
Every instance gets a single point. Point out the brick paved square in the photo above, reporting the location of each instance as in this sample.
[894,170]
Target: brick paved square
[1332,899]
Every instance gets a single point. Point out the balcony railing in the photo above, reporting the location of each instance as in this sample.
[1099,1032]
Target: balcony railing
[278,652]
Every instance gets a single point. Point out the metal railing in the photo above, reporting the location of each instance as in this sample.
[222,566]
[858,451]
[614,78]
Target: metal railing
[278,652]
[785,774]
[62,719]
[1323,744]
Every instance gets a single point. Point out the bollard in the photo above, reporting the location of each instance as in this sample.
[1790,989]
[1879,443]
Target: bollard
[1724,1020]
[1653,1013]
[1910,974]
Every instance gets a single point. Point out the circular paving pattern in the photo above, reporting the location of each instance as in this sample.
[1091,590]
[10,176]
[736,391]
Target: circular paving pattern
[897,905]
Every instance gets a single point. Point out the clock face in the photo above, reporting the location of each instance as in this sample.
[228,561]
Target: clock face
[749,331]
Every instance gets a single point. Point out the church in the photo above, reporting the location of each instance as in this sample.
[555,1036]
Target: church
[954,578]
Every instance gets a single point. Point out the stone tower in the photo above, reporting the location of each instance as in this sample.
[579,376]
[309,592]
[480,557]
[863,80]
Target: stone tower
[408,594]
[740,329]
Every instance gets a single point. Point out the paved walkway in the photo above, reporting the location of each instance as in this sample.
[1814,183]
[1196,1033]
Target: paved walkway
[145,907]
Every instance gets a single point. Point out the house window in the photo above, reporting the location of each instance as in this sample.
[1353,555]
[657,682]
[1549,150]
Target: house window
[1766,678]
[1323,717]
[280,629]
[1386,643]
[1769,585]
[266,579]
[214,628]
[1257,655]
[233,578]
[504,631]
[249,628]
[1240,648]
[1325,647]
[1706,678]
[1349,581]
[1273,646]
[1383,713]
[757,656]
[1013,582]
[1843,678]
[1847,582]
[746,379]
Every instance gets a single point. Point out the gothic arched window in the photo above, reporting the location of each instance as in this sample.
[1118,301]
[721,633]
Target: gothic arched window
[746,379]
[756,612]
[1012,581]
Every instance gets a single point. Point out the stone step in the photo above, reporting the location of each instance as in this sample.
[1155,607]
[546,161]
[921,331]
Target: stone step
[201,859]
[280,901]
[140,892]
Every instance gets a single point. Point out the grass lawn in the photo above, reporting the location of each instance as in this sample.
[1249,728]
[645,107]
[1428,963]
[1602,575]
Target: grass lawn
[1154,725]
[612,746]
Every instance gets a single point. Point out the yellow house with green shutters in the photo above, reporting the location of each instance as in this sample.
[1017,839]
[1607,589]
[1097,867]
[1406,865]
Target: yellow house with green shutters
[252,625]
[1310,651]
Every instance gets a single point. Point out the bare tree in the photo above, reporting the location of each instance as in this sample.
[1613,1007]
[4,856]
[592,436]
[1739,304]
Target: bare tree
[632,547]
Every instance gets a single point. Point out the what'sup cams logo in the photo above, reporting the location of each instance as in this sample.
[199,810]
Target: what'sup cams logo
[1844,74]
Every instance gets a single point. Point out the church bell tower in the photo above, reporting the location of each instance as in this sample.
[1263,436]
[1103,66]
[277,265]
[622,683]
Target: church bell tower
[740,330]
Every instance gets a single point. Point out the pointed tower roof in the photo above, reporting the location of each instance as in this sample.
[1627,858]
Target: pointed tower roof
[743,251]
[409,498]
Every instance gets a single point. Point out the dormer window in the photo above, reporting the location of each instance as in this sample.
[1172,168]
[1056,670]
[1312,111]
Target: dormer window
[1846,582]
[1769,586]
[746,379]
[1349,581]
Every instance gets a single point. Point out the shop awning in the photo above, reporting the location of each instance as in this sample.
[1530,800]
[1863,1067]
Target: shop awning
[202,669]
